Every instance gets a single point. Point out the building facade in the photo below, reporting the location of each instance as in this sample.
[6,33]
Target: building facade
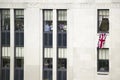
[59,40]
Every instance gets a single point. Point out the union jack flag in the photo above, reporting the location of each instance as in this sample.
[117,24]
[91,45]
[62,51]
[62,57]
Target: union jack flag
[101,41]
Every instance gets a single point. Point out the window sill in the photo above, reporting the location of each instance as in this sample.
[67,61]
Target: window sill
[103,73]
[101,32]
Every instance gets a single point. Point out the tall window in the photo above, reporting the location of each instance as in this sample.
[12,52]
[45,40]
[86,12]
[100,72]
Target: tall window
[103,59]
[19,44]
[19,28]
[5,27]
[6,68]
[47,67]
[62,66]
[47,43]
[61,44]
[48,27]
[5,44]
[103,20]
[61,28]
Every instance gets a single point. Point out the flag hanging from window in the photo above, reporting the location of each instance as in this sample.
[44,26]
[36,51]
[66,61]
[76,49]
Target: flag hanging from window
[101,41]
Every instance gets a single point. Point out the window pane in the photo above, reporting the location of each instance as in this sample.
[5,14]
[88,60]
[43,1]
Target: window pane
[5,19]
[45,39]
[50,39]
[104,26]
[19,62]
[103,20]
[47,27]
[62,72]
[59,39]
[5,27]
[47,20]
[61,28]
[19,20]
[5,62]
[47,69]
[48,63]
[19,28]
[62,20]
[48,15]
[62,63]
[103,65]
[64,40]
[103,59]
[62,15]
[19,75]
[5,73]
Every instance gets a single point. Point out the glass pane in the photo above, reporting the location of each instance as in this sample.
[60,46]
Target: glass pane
[5,27]
[19,74]
[47,75]
[5,38]
[47,27]
[64,40]
[5,73]
[62,15]
[62,72]
[5,20]
[50,39]
[48,63]
[61,20]
[19,62]
[45,39]
[19,20]
[103,54]
[103,62]
[6,62]
[103,24]
[62,64]
[48,15]
[47,69]
[103,65]
[59,40]
[47,20]
[19,28]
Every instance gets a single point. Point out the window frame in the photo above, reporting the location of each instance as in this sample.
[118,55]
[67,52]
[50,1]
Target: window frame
[49,34]
[63,33]
[98,10]
[19,42]
[98,60]
[6,33]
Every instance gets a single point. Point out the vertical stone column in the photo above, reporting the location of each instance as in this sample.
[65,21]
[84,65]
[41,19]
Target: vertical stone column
[12,44]
[54,44]
[32,44]
[0,50]
[69,44]
[41,43]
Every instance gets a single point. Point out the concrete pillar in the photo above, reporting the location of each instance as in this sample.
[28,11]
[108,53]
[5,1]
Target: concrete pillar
[12,44]
[54,45]
[41,44]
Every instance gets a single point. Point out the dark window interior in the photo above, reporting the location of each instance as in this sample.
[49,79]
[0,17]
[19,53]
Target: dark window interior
[103,20]
[19,28]
[5,27]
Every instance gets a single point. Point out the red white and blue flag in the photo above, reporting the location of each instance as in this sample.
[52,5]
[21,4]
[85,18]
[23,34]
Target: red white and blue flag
[101,41]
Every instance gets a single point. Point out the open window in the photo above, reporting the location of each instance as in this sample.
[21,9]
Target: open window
[103,20]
